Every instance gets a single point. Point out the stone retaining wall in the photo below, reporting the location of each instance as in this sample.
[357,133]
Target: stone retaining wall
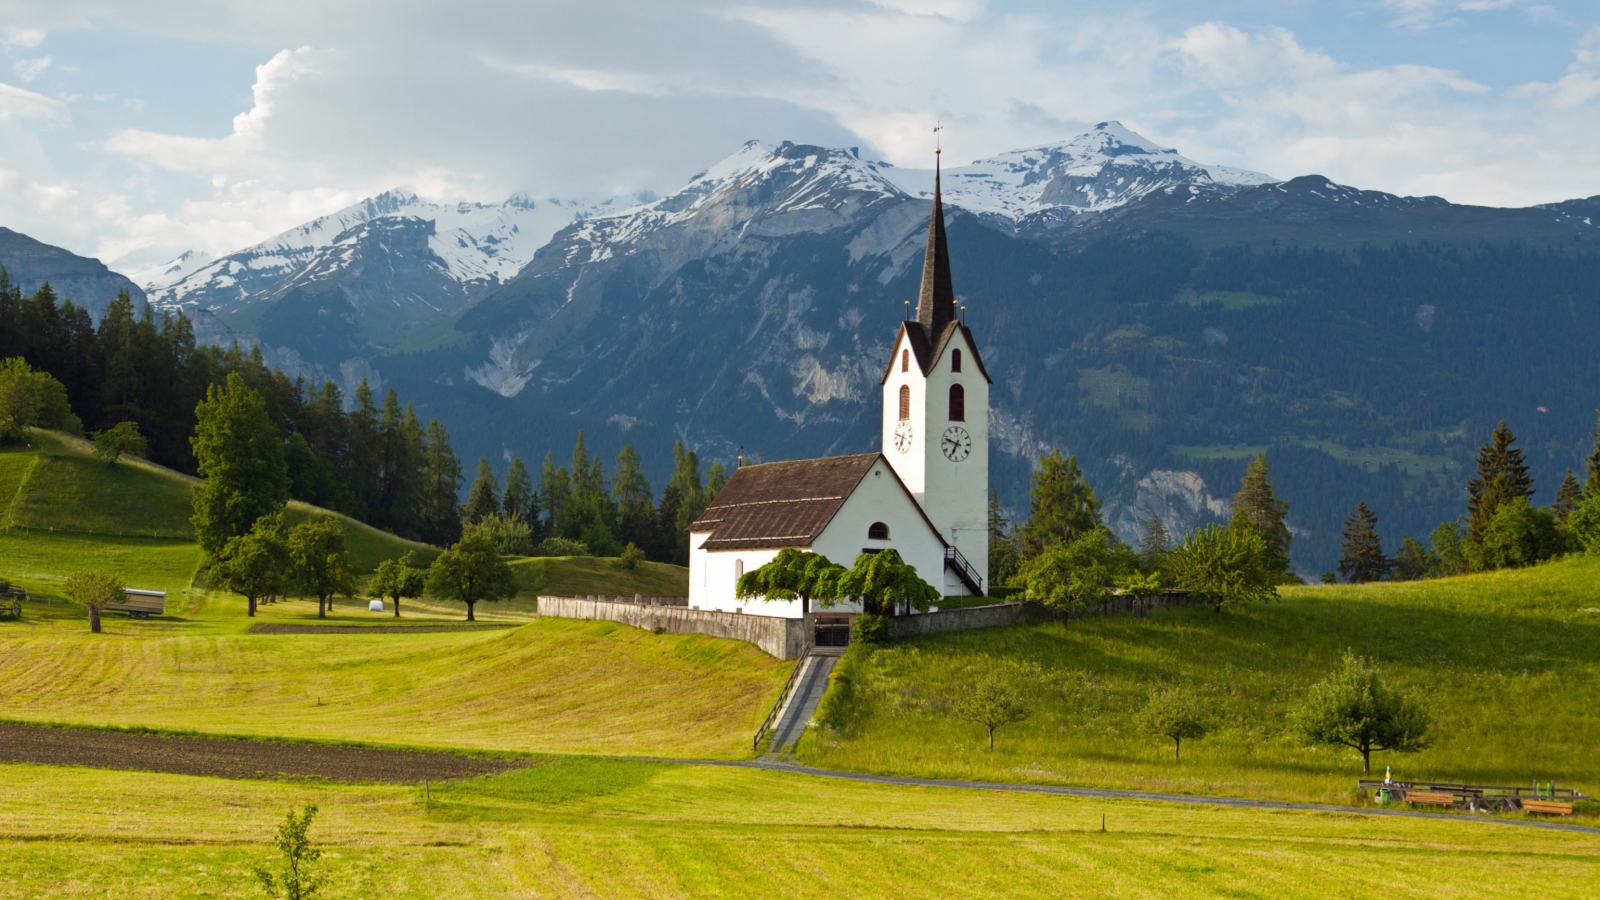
[1016,613]
[783,638]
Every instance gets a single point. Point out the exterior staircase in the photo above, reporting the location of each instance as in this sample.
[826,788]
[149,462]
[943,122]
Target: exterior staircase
[969,576]
[799,704]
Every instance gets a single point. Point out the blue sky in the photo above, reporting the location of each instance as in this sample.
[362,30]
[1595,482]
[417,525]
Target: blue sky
[135,130]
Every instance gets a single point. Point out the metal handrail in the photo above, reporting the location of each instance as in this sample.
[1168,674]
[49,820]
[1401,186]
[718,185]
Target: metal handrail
[788,688]
[973,579]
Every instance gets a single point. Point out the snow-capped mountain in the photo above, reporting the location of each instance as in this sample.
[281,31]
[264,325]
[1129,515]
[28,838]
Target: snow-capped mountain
[475,245]
[1106,168]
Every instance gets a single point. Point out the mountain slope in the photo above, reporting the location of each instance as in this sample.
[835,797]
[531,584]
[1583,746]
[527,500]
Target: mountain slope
[84,281]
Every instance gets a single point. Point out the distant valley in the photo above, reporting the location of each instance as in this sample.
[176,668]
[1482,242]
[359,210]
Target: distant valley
[1161,318]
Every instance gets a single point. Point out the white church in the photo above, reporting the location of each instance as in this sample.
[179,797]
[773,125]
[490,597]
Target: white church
[925,495]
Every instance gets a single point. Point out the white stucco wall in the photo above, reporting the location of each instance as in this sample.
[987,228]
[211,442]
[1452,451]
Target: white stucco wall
[878,498]
[955,495]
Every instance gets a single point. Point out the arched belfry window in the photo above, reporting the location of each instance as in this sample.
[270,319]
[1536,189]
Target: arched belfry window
[877,531]
[905,401]
[958,403]
[905,360]
[955,360]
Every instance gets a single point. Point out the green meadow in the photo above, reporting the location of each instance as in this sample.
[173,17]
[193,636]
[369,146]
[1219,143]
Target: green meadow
[1508,665]
[597,828]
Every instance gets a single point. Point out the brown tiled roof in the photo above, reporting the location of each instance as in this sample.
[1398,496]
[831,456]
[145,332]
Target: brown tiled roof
[784,504]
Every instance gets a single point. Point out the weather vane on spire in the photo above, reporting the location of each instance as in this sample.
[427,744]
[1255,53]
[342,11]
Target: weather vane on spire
[937,127]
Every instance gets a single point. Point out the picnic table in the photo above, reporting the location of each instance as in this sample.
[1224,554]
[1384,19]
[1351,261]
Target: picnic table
[1546,799]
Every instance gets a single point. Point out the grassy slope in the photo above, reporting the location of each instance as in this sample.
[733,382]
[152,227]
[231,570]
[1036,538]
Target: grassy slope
[1509,664]
[584,828]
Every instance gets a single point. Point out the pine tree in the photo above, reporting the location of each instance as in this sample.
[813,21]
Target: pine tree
[1257,504]
[441,485]
[1062,505]
[1153,545]
[1568,496]
[1362,559]
[690,497]
[1591,485]
[1002,544]
[636,509]
[555,490]
[1502,475]
[518,502]
[483,498]
[363,469]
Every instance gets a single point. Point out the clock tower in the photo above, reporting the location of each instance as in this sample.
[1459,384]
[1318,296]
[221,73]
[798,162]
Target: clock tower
[936,417]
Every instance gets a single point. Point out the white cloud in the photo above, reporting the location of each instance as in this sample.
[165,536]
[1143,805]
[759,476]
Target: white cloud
[25,38]
[17,103]
[1423,14]
[29,69]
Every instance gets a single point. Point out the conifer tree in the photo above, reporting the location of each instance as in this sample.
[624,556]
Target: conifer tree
[518,502]
[1568,496]
[555,489]
[1153,545]
[1502,475]
[636,509]
[363,468]
[1257,505]
[1362,559]
[1002,544]
[1062,505]
[483,498]
[689,496]
[1591,484]
[441,486]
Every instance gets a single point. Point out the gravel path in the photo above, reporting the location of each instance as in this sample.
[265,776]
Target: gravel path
[1109,794]
[269,628]
[228,758]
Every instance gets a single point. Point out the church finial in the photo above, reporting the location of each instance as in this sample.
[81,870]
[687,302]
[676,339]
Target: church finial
[936,302]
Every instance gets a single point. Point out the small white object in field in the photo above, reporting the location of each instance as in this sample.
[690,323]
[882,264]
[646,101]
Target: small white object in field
[375,606]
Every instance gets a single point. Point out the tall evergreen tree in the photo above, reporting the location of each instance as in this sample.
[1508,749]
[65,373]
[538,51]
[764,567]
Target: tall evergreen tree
[1153,544]
[1591,484]
[364,466]
[1568,496]
[555,490]
[483,498]
[689,495]
[1002,543]
[1502,476]
[636,511]
[1062,505]
[241,459]
[1362,559]
[1257,505]
[519,503]
[442,484]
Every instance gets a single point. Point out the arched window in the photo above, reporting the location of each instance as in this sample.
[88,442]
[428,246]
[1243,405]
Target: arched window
[955,360]
[958,403]
[877,531]
[905,401]
[905,360]
[738,569]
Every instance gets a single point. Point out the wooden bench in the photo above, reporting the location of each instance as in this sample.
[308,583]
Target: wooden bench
[141,604]
[1548,807]
[1437,798]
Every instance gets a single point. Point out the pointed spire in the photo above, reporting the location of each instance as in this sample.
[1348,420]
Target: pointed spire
[936,303]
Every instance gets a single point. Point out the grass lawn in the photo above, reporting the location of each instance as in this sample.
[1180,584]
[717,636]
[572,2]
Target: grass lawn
[593,828]
[1508,663]
[579,576]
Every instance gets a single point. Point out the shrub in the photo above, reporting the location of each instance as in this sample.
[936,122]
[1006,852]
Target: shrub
[867,628]
[560,546]
[509,536]
[1518,534]
[630,557]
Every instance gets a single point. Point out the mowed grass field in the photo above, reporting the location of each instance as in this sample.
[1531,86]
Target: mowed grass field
[593,828]
[1508,665]
[549,685]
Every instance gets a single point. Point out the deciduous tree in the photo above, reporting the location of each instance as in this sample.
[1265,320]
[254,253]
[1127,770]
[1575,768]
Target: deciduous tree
[240,456]
[396,578]
[1354,708]
[95,590]
[255,564]
[794,575]
[297,877]
[1080,573]
[471,572]
[320,560]
[121,439]
[1177,713]
[1223,566]
[992,700]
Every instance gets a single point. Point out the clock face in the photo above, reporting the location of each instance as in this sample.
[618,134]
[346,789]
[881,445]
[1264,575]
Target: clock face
[957,444]
[902,436]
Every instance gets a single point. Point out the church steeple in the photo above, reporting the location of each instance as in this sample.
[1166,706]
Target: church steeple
[936,304]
